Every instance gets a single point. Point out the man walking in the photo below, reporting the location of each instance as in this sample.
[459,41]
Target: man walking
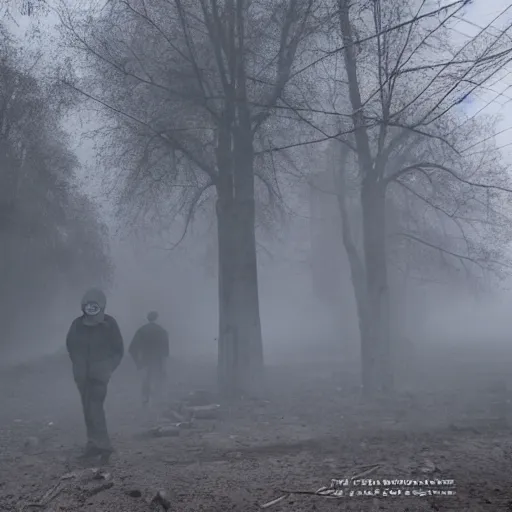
[150,351]
[95,347]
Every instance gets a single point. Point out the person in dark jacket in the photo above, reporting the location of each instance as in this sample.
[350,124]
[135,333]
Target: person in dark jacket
[150,351]
[95,347]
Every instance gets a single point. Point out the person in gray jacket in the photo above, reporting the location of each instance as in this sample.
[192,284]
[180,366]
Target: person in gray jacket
[150,351]
[95,347]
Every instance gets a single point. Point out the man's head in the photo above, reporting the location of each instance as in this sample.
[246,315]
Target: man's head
[94,303]
[152,316]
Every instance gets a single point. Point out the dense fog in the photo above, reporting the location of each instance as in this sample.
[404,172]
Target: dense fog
[245,243]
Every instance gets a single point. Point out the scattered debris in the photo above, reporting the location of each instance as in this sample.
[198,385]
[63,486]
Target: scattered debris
[275,502]
[203,412]
[197,405]
[185,424]
[428,467]
[366,472]
[165,431]
[85,476]
[160,501]
[103,487]
[69,476]
[49,496]
[99,474]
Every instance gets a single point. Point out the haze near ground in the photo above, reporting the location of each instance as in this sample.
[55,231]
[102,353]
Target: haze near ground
[449,420]
[449,322]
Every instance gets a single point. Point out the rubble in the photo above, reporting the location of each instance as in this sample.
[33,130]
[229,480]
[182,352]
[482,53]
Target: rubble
[185,424]
[275,502]
[160,502]
[428,467]
[103,487]
[99,474]
[165,431]
[76,480]
[203,412]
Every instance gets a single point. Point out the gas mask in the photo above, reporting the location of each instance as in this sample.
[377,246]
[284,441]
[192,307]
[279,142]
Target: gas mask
[93,306]
[92,309]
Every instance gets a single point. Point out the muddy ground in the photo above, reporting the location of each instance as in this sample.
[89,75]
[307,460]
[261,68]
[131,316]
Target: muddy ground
[451,423]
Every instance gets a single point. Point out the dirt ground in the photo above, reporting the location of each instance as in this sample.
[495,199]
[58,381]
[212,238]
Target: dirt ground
[310,428]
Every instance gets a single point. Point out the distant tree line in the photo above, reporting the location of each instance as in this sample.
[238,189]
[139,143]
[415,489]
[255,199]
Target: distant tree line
[51,237]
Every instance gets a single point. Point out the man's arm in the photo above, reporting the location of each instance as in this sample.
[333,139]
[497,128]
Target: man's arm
[76,354]
[165,344]
[116,340]
[71,342]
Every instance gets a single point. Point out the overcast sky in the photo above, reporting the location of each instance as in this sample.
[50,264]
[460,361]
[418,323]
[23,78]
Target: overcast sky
[494,99]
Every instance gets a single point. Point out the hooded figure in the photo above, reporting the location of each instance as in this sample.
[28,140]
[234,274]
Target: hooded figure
[150,349]
[95,347]
[93,306]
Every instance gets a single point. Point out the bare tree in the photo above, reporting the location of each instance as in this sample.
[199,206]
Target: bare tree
[406,133]
[50,233]
[10,8]
[186,88]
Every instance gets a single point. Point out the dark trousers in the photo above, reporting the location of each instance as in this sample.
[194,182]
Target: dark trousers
[93,394]
[152,382]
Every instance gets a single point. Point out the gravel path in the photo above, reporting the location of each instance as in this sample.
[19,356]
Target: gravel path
[310,429]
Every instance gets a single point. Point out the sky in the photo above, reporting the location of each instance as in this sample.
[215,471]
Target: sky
[494,99]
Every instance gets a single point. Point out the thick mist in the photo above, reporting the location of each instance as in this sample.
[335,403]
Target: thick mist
[298,211]
[300,318]
[307,298]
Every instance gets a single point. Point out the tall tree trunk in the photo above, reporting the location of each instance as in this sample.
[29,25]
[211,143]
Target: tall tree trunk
[356,264]
[376,369]
[247,302]
[246,280]
[240,356]
[375,340]
[228,379]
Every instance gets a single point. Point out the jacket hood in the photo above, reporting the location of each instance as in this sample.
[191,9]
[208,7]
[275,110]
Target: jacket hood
[95,295]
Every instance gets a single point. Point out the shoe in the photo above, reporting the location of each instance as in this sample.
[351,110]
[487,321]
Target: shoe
[105,455]
[89,453]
